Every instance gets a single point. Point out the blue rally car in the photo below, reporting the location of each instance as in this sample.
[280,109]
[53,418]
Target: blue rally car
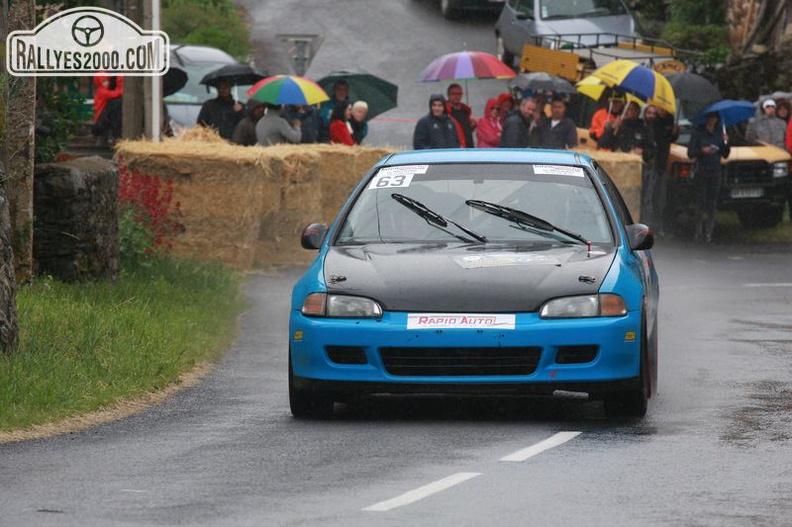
[491,271]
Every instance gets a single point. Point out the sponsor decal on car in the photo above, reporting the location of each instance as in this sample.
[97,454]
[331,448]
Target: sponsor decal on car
[459,320]
[558,170]
[396,177]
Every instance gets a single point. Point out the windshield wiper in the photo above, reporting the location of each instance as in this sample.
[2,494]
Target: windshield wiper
[522,218]
[433,218]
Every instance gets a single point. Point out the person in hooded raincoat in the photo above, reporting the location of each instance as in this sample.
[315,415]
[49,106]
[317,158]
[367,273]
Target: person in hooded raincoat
[436,129]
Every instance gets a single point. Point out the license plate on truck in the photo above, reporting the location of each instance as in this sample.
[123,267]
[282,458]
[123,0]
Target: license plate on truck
[742,193]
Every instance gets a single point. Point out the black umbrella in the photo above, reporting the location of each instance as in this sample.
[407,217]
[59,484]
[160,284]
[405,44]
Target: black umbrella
[173,81]
[236,74]
[692,87]
[692,92]
[541,82]
[379,94]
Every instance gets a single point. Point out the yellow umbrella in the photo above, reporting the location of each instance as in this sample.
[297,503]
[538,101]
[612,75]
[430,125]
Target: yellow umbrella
[645,83]
[594,87]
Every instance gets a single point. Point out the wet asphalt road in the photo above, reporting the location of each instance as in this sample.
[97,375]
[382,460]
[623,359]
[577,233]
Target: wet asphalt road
[713,450]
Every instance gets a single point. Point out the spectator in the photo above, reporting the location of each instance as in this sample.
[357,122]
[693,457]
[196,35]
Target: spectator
[308,117]
[628,133]
[665,132]
[783,110]
[707,146]
[107,108]
[340,93]
[107,88]
[436,129]
[245,131]
[222,113]
[559,132]
[340,127]
[272,129]
[507,104]
[489,127]
[604,115]
[462,115]
[767,127]
[358,121]
[521,130]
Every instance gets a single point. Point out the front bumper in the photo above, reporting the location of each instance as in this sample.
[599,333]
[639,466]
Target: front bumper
[615,365]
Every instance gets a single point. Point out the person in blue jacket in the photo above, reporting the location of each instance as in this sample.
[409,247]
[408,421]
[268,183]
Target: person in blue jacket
[436,129]
[708,145]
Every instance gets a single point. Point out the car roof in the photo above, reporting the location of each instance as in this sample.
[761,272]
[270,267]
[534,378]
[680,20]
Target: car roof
[488,155]
[183,54]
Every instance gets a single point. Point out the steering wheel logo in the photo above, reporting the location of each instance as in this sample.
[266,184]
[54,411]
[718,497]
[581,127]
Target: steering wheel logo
[87,31]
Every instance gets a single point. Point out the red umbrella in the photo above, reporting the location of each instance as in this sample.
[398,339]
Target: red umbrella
[466,65]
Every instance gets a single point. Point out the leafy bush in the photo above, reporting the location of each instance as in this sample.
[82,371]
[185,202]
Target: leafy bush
[59,112]
[216,23]
[147,223]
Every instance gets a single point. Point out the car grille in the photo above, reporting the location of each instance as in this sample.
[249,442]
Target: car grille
[346,354]
[748,173]
[576,354]
[438,362]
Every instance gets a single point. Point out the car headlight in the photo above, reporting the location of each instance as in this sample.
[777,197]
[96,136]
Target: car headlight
[780,169]
[587,306]
[340,306]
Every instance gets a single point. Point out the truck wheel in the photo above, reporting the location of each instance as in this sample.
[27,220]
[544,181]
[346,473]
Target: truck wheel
[505,57]
[449,10]
[761,217]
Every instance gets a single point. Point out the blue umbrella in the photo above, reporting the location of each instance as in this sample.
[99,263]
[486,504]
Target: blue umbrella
[731,112]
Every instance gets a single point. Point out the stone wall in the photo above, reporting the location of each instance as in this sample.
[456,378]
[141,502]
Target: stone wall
[75,233]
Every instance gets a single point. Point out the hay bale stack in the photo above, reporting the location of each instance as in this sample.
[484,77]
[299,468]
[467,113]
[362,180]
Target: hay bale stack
[625,171]
[296,170]
[219,188]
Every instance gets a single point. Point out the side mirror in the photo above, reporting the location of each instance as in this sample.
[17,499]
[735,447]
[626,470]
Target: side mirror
[640,237]
[313,235]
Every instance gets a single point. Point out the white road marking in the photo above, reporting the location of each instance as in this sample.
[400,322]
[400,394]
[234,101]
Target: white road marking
[558,439]
[422,492]
[781,284]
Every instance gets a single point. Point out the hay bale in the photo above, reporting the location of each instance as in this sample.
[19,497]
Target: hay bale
[219,187]
[625,171]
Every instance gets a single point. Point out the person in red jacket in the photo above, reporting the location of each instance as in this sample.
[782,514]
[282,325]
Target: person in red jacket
[461,114]
[104,93]
[340,128]
[489,129]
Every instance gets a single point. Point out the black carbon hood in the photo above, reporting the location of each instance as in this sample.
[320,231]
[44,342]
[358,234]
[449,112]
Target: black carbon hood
[455,278]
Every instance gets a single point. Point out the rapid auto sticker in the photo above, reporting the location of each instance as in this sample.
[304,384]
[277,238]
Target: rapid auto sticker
[396,177]
[459,320]
[559,170]
[504,259]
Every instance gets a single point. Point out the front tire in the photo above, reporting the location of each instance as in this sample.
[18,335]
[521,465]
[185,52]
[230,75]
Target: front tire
[308,404]
[761,217]
[633,403]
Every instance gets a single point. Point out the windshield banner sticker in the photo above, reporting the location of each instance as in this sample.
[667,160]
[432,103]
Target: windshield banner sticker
[503,260]
[396,177]
[558,170]
[458,320]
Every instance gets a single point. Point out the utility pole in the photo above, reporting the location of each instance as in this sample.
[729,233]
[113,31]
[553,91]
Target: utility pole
[133,105]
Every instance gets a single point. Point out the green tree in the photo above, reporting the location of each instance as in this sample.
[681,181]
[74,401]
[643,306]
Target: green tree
[217,23]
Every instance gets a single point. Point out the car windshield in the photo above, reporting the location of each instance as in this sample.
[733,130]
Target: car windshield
[563,9]
[462,199]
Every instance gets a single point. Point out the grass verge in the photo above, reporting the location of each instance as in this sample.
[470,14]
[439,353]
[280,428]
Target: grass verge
[86,346]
